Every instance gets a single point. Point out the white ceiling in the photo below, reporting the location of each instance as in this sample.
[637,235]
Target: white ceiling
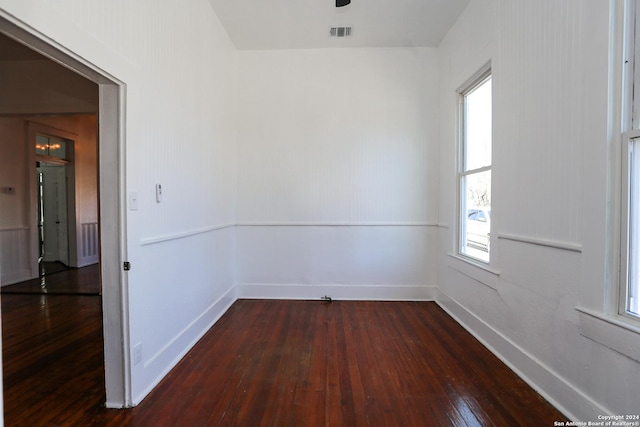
[304,24]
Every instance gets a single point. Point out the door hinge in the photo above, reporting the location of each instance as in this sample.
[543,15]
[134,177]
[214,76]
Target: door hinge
[126,265]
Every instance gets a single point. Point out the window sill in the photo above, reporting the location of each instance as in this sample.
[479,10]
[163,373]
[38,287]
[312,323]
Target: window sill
[614,332]
[475,270]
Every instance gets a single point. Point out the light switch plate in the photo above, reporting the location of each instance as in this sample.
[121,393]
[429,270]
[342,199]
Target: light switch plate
[133,200]
[158,193]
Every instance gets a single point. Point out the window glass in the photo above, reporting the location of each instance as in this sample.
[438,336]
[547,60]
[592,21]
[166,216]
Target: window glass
[477,225]
[633,260]
[478,127]
[475,173]
[51,147]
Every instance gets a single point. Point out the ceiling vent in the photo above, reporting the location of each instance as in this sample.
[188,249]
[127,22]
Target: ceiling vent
[340,31]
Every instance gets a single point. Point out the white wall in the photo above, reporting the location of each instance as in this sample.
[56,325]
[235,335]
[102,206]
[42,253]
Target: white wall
[179,70]
[337,166]
[550,80]
[14,218]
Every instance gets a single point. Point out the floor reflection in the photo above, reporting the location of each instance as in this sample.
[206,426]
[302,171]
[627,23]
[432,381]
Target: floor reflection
[76,281]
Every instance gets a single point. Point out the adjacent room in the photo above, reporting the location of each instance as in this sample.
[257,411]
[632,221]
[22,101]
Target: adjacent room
[398,183]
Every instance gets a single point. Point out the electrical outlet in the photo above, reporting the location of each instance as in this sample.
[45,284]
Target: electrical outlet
[137,353]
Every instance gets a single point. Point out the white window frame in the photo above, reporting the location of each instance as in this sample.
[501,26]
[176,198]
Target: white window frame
[631,128]
[630,207]
[482,76]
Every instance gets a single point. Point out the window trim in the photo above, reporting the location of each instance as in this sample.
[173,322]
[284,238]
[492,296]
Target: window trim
[599,310]
[475,81]
[632,77]
[625,225]
[630,124]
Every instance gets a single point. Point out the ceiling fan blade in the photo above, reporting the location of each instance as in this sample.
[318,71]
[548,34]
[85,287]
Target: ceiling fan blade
[340,3]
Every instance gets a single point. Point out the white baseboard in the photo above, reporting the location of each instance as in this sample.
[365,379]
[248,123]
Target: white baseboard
[15,277]
[169,356]
[113,405]
[338,292]
[85,262]
[549,384]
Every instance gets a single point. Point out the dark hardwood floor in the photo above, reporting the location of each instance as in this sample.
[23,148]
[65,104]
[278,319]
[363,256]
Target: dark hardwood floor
[75,281]
[52,351]
[269,363]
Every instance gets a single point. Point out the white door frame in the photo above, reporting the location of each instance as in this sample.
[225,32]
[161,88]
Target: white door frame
[113,249]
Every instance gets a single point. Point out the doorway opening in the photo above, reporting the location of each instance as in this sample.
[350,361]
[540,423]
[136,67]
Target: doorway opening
[53,232]
[110,181]
[53,188]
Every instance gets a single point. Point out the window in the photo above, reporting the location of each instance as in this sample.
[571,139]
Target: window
[474,176]
[50,146]
[630,289]
[630,208]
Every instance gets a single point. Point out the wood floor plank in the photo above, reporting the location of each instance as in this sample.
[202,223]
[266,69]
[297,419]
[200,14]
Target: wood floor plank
[270,363]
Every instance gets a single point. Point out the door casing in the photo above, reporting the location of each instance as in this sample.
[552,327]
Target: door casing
[112,156]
